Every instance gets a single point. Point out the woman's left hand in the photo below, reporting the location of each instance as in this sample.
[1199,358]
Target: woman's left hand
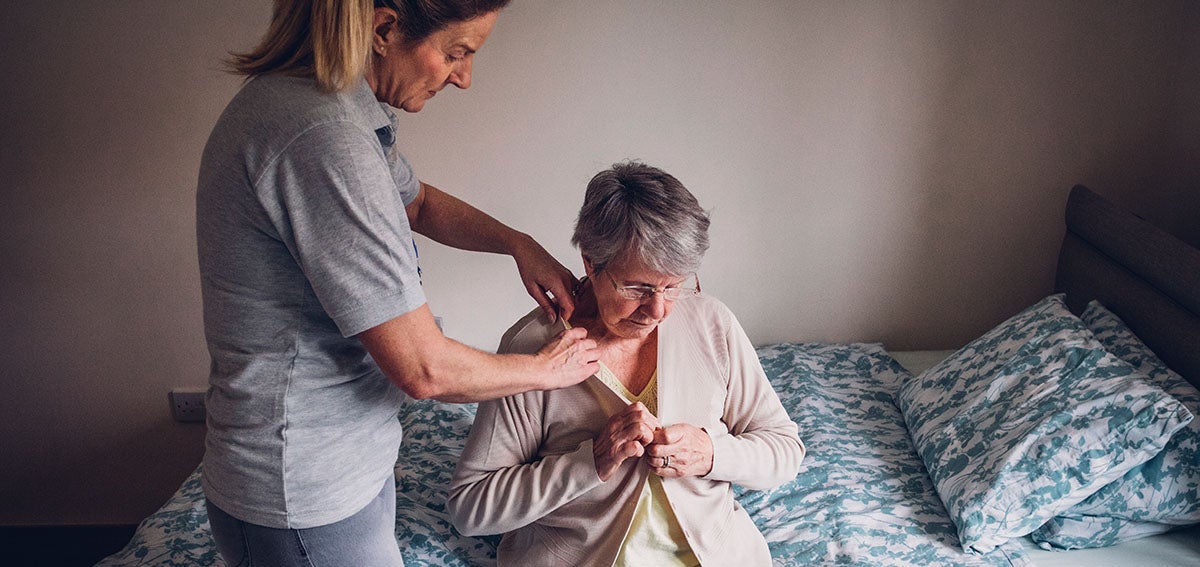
[541,273]
[679,450]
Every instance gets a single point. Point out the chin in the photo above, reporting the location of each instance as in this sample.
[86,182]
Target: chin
[632,331]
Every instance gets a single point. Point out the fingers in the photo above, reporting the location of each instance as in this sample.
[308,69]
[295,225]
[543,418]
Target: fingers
[566,303]
[679,450]
[635,423]
[544,301]
[572,351]
[632,426]
[546,280]
[573,334]
[666,437]
[624,437]
[556,299]
[576,338]
[638,431]
[667,465]
[641,414]
[586,352]
[632,449]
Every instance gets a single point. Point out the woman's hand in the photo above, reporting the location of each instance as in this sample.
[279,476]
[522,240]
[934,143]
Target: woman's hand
[541,273]
[447,219]
[624,437]
[679,450]
[570,357]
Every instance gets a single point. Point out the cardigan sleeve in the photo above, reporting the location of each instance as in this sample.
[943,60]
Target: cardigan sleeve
[761,448]
[498,486]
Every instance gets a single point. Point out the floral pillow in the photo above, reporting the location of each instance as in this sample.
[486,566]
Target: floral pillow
[1153,497]
[1029,420]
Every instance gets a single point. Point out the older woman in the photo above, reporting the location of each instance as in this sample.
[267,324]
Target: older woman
[634,465]
[313,309]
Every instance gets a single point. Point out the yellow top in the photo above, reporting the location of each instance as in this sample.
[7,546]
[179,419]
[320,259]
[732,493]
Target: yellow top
[654,537]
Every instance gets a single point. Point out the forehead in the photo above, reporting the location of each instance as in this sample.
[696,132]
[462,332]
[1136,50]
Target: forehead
[470,33]
[633,271]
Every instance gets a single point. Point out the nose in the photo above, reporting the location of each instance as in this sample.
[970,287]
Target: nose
[655,306]
[461,75]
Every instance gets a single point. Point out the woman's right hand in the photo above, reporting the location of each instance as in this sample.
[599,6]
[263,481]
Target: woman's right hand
[625,436]
[570,357]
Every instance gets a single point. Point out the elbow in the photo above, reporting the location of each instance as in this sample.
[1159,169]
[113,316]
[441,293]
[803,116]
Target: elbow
[417,391]
[461,517]
[467,528]
[792,460]
[793,457]
[459,520]
[421,366]
[418,381]
[787,467]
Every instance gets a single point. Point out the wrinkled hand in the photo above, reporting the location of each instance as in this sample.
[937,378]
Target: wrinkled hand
[570,357]
[689,448]
[544,277]
[624,437]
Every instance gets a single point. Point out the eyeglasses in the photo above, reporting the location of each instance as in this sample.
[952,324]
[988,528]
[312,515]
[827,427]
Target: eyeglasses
[644,292]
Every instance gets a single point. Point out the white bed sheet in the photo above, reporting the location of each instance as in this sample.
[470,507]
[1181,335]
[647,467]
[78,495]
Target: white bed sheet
[1178,548]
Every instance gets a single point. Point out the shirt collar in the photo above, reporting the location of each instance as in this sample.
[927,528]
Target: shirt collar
[378,115]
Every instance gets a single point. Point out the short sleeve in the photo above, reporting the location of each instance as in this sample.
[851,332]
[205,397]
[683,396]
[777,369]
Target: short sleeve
[338,205]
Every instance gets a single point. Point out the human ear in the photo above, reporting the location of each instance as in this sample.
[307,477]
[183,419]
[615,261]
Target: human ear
[381,30]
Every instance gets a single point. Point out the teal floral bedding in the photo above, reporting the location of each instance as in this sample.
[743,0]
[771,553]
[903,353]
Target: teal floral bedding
[862,497]
[1154,497]
[1030,419]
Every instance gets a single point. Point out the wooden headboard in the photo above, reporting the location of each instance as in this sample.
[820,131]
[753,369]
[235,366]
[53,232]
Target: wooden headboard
[1145,276]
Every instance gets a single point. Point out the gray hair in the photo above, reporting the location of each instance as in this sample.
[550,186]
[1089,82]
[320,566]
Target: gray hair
[638,211]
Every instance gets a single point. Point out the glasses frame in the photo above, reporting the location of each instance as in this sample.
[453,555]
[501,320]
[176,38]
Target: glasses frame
[644,292]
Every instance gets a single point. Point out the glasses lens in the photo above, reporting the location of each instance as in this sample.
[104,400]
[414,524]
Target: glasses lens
[688,288]
[644,293]
[635,293]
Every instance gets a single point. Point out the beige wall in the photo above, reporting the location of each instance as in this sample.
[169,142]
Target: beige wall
[877,171]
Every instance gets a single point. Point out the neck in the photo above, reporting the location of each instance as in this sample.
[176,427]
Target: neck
[587,315]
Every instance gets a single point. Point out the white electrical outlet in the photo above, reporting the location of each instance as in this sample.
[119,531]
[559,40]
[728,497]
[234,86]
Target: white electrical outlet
[187,405]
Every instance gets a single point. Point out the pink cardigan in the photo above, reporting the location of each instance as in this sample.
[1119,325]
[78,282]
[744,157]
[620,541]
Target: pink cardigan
[527,470]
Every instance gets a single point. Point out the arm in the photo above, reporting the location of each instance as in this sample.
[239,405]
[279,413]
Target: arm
[761,449]
[415,356]
[339,212]
[499,484]
[450,221]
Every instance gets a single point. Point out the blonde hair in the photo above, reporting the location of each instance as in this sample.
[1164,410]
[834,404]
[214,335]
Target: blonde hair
[327,40]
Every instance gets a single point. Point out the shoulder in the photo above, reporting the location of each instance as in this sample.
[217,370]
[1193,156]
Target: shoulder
[708,326]
[706,310]
[271,111]
[529,333]
[278,96]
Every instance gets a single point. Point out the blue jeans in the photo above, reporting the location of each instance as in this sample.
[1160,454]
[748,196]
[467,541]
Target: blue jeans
[367,538]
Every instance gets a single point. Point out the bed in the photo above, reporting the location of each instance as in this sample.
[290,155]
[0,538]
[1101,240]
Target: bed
[866,494]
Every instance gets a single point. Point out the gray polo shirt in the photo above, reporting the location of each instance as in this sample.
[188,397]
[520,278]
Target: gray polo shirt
[303,243]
